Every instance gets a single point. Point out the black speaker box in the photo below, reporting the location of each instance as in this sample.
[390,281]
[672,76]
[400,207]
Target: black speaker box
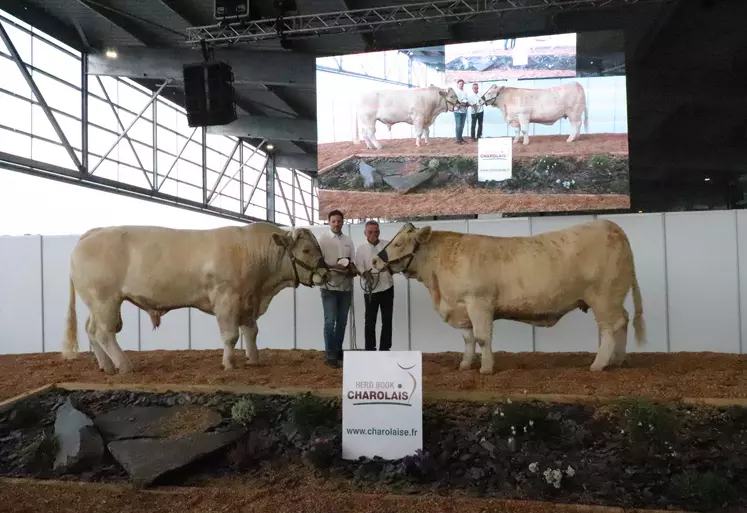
[209,95]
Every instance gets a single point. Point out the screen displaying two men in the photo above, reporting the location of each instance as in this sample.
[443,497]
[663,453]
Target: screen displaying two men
[536,124]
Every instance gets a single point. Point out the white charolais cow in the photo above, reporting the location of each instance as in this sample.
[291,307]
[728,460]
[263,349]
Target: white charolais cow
[417,107]
[232,272]
[477,279]
[544,106]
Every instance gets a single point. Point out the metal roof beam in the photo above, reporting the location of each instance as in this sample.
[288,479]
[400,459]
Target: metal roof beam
[249,68]
[284,129]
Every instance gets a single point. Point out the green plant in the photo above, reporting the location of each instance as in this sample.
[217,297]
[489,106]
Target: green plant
[243,411]
[648,422]
[707,489]
[601,162]
[523,419]
[309,412]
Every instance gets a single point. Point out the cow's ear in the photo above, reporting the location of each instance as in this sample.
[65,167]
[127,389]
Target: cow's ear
[282,239]
[423,235]
[442,93]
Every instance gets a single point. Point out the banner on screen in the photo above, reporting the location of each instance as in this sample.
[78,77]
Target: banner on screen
[400,133]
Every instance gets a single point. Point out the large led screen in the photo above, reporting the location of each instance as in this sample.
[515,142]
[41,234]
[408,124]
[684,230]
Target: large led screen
[536,124]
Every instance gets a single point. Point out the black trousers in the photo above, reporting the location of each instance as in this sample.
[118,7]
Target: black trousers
[477,119]
[383,300]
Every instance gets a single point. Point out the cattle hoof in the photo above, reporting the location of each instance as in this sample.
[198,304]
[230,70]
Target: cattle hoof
[252,363]
[597,367]
[486,370]
[465,365]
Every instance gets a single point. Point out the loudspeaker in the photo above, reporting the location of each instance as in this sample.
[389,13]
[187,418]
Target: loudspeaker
[209,95]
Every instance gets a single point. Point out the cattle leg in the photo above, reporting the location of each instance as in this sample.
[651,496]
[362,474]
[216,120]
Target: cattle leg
[469,349]
[524,126]
[105,363]
[426,134]
[576,133]
[609,346]
[250,332]
[518,134]
[481,317]
[108,323]
[621,341]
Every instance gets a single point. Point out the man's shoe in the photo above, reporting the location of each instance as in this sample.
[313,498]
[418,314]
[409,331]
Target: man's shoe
[332,363]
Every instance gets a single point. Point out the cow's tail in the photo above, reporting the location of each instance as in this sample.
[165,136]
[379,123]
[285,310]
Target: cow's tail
[639,324]
[586,115]
[70,344]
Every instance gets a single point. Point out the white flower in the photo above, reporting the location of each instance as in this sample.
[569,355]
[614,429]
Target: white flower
[570,472]
[508,400]
[533,467]
[531,423]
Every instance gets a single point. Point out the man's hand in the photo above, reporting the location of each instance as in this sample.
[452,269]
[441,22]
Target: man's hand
[338,267]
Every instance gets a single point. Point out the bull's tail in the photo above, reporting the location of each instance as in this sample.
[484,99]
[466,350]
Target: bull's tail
[70,344]
[586,115]
[639,324]
[356,133]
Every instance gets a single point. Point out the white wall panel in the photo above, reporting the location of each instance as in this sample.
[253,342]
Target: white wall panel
[276,326]
[509,336]
[742,265]
[646,234]
[173,333]
[400,326]
[204,332]
[310,315]
[577,331]
[703,281]
[21,295]
[428,331]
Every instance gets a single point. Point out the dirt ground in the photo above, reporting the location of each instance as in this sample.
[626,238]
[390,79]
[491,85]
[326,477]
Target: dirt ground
[655,375]
[49,497]
[587,144]
[503,74]
[461,201]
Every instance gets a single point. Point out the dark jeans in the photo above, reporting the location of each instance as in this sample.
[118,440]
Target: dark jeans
[477,120]
[383,300]
[336,305]
[460,118]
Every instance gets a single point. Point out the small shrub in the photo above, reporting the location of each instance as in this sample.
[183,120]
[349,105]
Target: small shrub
[243,411]
[321,453]
[648,422]
[41,453]
[310,412]
[418,465]
[250,451]
[706,489]
[523,419]
[601,162]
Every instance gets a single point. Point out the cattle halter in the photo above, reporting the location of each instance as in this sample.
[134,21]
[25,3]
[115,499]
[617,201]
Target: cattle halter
[411,255]
[312,270]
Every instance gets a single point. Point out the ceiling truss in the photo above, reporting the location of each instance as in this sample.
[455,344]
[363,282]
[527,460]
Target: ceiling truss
[369,20]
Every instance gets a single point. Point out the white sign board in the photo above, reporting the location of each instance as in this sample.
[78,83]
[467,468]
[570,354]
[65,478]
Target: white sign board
[494,158]
[382,404]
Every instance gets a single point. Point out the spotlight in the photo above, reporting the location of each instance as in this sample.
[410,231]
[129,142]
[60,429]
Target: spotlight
[111,54]
[270,147]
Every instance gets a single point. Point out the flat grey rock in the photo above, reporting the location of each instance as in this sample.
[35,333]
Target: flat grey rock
[156,421]
[147,459]
[410,182]
[368,173]
[391,168]
[79,442]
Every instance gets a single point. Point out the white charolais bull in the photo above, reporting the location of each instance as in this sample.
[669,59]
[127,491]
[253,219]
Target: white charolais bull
[544,106]
[417,107]
[232,272]
[477,279]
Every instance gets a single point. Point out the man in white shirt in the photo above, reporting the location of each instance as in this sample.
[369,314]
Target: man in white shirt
[477,111]
[336,296]
[382,295]
[460,113]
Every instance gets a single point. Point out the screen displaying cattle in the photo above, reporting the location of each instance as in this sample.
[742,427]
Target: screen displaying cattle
[536,124]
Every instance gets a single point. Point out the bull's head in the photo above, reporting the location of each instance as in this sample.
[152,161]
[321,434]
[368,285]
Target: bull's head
[450,97]
[398,255]
[490,97]
[309,267]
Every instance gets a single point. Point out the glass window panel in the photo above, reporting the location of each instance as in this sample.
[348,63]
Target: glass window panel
[256,162]
[57,95]
[94,88]
[164,163]
[142,131]
[259,198]
[169,186]
[108,169]
[255,211]
[133,176]
[50,153]
[71,128]
[99,141]
[13,80]
[20,39]
[40,125]
[133,100]
[228,204]
[189,192]
[167,141]
[284,174]
[100,113]
[55,62]
[166,116]
[63,48]
[282,219]
[182,126]
[146,155]
[189,173]
[112,89]
[15,143]
[193,153]
[215,160]
[125,154]
[15,113]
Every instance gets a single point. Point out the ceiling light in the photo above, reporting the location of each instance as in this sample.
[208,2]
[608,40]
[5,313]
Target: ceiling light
[111,54]
[270,147]
[706,179]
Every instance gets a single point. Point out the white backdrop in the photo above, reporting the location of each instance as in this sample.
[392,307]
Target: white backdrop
[692,268]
